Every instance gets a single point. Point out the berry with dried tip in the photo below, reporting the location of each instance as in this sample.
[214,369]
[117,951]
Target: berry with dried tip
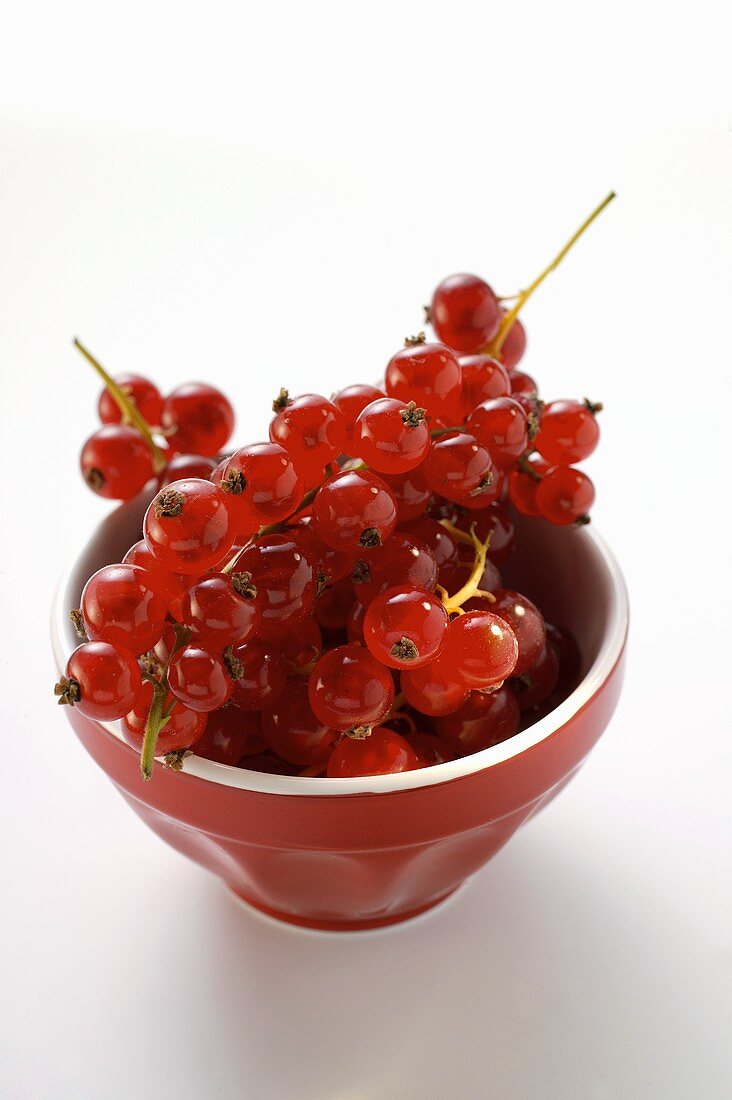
[221,609]
[354,509]
[569,431]
[565,496]
[285,580]
[188,526]
[392,437]
[141,391]
[197,419]
[101,681]
[383,752]
[312,429]
[263,484]
[465,313]
[353,400]
[403,560]
[405,627]
[460,468]
[350,690]
[502,426]
[116,462]
[259,675]
[481,649]
[199,679]
[430,375]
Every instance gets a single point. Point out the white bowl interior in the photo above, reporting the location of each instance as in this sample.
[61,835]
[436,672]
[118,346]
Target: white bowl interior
[569,573]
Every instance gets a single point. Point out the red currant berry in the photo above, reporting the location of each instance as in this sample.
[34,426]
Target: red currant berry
[181,467]
[481,649]
[259,675]
[429,749]
[460,468]
[294,732]
[285,581]
[349,688]
[527,623]
[438,540]
[263,484]
[122,605]
[428,374]
[483,379]
[353,400]
[221,609]
[166,583]
[486,719]
[302,647]
[354,626]
[392,437]
[433,689]
[465,313]
[405,627]
[333,605]
[197,419]
[523,384]
[330,565]
[523,483]
[229,735]
[116,462]
[311,428]
[569,432]
[181,730]
[565,496]
[411,493]
[102,681]
[188,526]
[570,658]
[199,679]
[536,685]
[496,522]
[501,426]
[403,561]
[141,392]
[383,752]
[514,345]
[354,509]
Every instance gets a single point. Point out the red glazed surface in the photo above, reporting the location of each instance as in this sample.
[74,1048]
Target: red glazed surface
[359,853]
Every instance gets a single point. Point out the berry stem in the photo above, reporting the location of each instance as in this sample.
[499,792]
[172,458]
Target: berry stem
[507,323]
[454,604]
[127,407]
[156,720]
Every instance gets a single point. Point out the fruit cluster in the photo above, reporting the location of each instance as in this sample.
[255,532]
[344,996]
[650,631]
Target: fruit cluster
[329,602]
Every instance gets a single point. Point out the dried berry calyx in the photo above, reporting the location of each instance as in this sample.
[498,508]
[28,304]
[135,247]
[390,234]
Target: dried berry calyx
[370,538]
[234,666]
[281,401]
[404,650]
[360,574]
[234,482]
[68,691]
[77,620]
[415,341]
[243,584]
[411,415]
[169,503]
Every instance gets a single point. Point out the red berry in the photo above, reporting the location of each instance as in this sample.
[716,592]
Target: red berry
[312,429]
[170,585]
[570,658]
[181,730]
[481,649]
[486,719]
[353,400]
[199,679]
[405,627]
[465,313]
[181,467]
[565,495]
[285,581]
[429,749]
[188,526]
[496,522]
[523,483]
[391,437]
[536,684]
[483,379]
[403,560]
[263,484]
[383,752]
[294,732]
[102,681]
[221,609]
[123,605]
[354,509]
[527,623]
[301,647]
[514,345]
[143,393]
[230,733]
[437,538]
[259,675]
[569,432]
[116,462]
[433,689]
[460,468]
[197,418]
[501,426]
[428,374]
[333,605]
[522,384]
[411,493]
[354,626]
[349,688]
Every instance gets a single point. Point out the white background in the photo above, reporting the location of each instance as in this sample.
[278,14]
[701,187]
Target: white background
[264,195]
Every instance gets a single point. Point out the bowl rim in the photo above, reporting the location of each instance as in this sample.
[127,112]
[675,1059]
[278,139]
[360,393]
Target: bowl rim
[611,648]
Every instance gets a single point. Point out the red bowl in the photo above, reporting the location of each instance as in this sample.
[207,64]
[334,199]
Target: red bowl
[360,853]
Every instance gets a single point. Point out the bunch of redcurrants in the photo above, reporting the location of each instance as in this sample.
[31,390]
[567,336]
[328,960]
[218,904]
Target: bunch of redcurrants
[329,602]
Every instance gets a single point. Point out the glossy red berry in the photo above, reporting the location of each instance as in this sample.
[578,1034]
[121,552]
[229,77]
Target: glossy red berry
[523,384]
[405,627]
[486,719]
[263,484]
[496,522]
[465,313]
[403,560]
[514,345]
[483,379]
[460,468]
[501,426]
[102,681]
[229,735]
[437,538]
[570,659]
[285,580]
[333,605]
[354,509]
[569,432]
[527,623]
[169,584]
[294,732]
[141,391]
[198,678]
[383,752]
[198,419]
[411,493]
[123,605]
[301,647]
[259,675]
[433,689]
[565,496]
[349,688]
[354,626]
[430,375]
[221,609]
[523,482]
[185,466]
[353,400]
[188,526]
[116,462]
[430,750]
[481,649]
[392,437]
[312,429]
[181,730]
[536,684]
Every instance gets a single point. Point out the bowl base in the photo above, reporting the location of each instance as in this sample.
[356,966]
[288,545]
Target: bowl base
[324,925]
